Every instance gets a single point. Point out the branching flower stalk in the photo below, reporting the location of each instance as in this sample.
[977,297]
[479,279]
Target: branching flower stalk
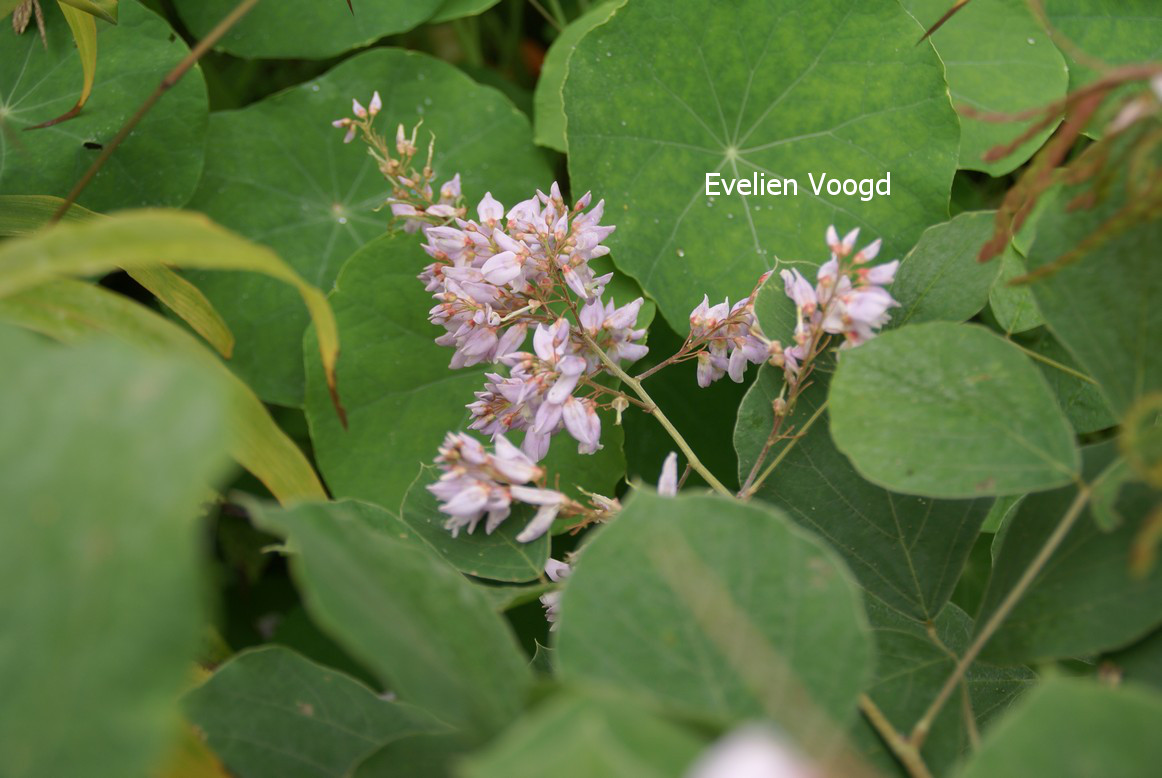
[507,274]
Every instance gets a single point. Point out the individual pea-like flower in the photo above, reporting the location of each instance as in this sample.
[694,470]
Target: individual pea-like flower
[556,571]
[477,483]
[668,480]
[614,330]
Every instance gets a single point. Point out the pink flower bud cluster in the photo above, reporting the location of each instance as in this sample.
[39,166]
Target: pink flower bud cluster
[731,336]
[446,207]
[848,299]
[477,483]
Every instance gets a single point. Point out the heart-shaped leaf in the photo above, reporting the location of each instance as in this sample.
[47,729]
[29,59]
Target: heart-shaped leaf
[949,410]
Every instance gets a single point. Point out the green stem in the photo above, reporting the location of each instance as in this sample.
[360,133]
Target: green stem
[469,36]
[908,754]
[557,25]
[1054,363]
[656,412]
[558,13]
[920,731]
[167,83]
[747,493]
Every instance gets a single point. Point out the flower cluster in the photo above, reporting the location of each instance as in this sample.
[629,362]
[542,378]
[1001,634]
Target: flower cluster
[476,483]
[496,277]
[731,337]
[848,299]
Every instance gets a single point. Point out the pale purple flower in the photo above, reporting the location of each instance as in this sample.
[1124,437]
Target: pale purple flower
[478,484]
[489,211]
[848,300]
[753,751]
[358,109]
[557,572]
[668,480]
[375,105]
[501,268]
[550,503]
[882,275]
[799,289]
[583,423]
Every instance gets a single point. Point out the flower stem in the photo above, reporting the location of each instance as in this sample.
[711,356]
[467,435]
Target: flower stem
[656,412]
[166,84]
[920,731]
[749,491]
[908,754]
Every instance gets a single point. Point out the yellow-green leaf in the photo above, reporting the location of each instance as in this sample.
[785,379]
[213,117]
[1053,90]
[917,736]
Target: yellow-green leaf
[151,238]
[24,214]
[70,310]
[102,9]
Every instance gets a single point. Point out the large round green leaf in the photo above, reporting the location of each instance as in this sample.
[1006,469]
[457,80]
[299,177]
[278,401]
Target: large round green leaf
[907,551]
[665,93]
[402,398]
[158,164]
[1074,729]
[999,60]
[311,29]
[549,102]
[720,608]
[949,410]
[279,173]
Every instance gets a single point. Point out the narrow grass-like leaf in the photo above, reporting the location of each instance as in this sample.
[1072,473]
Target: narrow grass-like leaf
[70,310]
[153,238]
